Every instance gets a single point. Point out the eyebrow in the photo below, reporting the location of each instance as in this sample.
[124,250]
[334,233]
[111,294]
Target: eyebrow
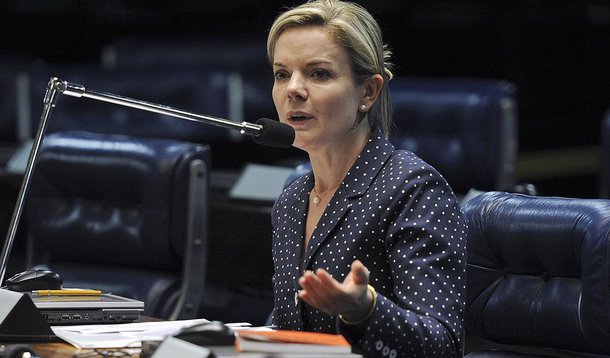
[309,64]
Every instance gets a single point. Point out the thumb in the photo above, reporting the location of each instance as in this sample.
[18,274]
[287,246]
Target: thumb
[360,274]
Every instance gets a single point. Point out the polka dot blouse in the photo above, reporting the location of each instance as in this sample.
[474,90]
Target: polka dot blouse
[396,214]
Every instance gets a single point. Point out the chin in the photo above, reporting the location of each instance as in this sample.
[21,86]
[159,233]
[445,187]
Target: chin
[299,145]
[300,142]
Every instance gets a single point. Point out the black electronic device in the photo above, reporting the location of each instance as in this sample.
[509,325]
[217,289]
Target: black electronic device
[208,334]
[31,280]
[20,320]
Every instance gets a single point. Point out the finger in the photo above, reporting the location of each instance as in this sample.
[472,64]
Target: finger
[310,284]
[316,291]
[327,280]
[315,287]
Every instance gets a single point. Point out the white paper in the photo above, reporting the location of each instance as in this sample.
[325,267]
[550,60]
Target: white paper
[126,334]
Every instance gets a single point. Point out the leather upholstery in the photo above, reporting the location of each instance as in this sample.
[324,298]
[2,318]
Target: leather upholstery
[538,273]
[119,213]
[465,128]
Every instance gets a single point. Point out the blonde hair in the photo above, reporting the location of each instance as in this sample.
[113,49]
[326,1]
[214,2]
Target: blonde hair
[354,27]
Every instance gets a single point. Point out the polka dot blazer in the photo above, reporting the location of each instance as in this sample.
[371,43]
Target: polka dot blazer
[396,214]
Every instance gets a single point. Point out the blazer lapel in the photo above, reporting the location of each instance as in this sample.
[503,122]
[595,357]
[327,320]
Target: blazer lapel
[356,183]
[295,229]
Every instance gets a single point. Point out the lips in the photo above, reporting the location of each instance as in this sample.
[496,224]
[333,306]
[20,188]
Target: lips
[298,116]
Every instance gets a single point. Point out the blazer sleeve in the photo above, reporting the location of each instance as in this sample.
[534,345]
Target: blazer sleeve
[424,232]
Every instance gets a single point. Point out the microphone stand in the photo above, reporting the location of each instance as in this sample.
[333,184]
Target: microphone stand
[56,86]
[50,99]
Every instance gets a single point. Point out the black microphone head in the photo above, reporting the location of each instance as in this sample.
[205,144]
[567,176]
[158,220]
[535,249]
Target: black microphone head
[274,133]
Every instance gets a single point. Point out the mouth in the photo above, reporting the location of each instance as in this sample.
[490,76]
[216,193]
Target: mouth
[298,117]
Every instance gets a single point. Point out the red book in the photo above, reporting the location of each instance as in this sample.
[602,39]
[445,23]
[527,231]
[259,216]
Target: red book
[284,341]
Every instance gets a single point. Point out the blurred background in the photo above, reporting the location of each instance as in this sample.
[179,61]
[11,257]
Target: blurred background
[555,53]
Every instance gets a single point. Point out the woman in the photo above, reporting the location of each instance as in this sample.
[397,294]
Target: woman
[370,243]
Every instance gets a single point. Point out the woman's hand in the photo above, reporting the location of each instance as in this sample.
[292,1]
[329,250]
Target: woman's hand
[350,298]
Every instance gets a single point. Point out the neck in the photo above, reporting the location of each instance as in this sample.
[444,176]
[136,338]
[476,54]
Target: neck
[331,166]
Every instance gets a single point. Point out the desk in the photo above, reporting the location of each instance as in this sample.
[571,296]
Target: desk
[64,350]
[53,350]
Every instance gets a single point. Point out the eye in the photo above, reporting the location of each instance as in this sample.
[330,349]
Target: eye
[320,74]
[280,75]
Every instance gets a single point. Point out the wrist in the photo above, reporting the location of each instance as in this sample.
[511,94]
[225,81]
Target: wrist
[371,296]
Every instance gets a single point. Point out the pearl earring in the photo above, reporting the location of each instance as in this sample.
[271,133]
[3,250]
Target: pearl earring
[363,107]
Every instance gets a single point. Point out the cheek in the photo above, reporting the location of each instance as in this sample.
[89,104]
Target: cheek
[274,93]
[277,98]
[341,106]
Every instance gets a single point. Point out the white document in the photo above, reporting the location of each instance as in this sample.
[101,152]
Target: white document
[126,334]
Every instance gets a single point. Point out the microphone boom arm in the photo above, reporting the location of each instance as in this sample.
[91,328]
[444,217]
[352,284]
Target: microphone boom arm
[76,90]
[267,133]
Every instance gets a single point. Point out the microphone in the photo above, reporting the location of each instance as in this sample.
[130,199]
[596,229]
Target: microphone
[265,131]
[274,134]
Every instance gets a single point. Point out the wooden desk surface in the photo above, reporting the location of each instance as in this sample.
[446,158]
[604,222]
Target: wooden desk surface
[65,350]
[52,350]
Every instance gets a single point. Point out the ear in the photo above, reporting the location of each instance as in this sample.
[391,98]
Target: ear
[372,88]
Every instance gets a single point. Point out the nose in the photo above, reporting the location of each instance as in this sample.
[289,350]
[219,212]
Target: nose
[296,88]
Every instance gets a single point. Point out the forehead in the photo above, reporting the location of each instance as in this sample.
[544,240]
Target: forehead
[307,41]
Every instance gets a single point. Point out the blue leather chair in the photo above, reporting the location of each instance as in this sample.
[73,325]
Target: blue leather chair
[123,214]
[538,273]
[465,128]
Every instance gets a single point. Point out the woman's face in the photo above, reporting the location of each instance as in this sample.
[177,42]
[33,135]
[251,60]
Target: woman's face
[315,90]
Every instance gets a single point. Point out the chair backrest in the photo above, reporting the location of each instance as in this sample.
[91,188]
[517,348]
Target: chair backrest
[538,273]
[465,128]
[123,214]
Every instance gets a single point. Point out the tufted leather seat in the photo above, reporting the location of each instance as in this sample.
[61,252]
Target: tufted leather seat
[122,214]
[538,274]
[465,128]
